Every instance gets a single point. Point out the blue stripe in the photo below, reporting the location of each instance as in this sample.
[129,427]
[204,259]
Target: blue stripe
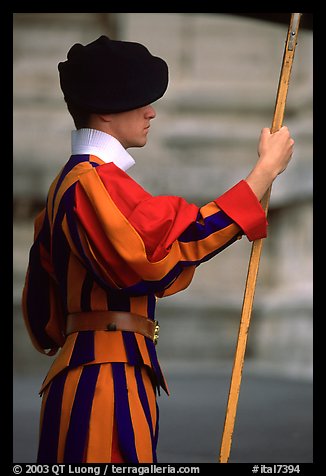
[215,252]
[144,401]
[49,438]
[198,231]
[122,413]
[150,287]
[118,300]
[83,349]
[156,433]
[72,162]
[85,298]
[132,349]
[80,415]
[151,305]
[60,254]
[156,366]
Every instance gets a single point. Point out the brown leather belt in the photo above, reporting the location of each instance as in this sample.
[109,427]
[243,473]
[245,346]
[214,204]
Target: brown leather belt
[112,321]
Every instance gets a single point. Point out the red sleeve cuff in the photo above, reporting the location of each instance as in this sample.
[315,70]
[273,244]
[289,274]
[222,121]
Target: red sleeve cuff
[241,204]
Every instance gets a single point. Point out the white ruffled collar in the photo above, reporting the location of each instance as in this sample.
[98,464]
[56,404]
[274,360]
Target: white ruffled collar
[101,144]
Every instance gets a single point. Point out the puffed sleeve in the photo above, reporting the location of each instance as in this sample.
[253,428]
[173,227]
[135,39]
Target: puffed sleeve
[143,243]
[41,303]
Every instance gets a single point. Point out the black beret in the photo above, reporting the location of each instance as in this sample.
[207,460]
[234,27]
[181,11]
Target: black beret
[109,76]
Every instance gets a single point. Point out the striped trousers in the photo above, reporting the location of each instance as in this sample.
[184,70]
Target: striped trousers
[99,413]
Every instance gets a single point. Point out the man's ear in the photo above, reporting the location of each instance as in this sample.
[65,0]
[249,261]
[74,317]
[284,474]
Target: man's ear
[105,117]
[97,121]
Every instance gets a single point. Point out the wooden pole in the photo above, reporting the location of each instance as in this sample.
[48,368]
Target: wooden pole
[253,266]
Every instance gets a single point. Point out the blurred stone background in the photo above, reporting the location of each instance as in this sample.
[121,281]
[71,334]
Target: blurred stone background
[224,72]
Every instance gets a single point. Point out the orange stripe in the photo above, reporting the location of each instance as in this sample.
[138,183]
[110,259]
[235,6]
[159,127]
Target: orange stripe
[143,442]
[62,360]
[56,325]
[68,397]
[197,250]
[109,347]
[94,158]
[69,180]
[66,231]
[38,223]
[51,193]
[138,305]
[181,283]
[75,277]
[98,298]
[209,209]
[101,420]
[143,349]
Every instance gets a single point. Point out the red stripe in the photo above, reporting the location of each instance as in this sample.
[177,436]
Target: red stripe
[158,220]
[242,205]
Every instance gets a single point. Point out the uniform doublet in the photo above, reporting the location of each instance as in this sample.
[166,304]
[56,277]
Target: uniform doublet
[104,243]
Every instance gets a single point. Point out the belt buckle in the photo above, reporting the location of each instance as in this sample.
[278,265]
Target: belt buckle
[156,332]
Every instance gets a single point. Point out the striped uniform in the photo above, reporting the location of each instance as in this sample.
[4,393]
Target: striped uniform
[104,243]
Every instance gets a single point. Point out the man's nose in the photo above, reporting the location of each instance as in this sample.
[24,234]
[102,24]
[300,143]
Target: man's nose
[150,112]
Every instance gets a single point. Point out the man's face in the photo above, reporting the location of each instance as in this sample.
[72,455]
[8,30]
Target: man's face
[131,127]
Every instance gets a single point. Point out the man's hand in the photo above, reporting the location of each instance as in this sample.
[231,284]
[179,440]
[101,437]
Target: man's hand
[275,152]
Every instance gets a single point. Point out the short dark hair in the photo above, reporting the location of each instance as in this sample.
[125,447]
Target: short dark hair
[80,116]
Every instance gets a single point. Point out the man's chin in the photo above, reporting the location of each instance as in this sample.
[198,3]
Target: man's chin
[138,144]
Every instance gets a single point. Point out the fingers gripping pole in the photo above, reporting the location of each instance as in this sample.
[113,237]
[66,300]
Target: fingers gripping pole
[256,250]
